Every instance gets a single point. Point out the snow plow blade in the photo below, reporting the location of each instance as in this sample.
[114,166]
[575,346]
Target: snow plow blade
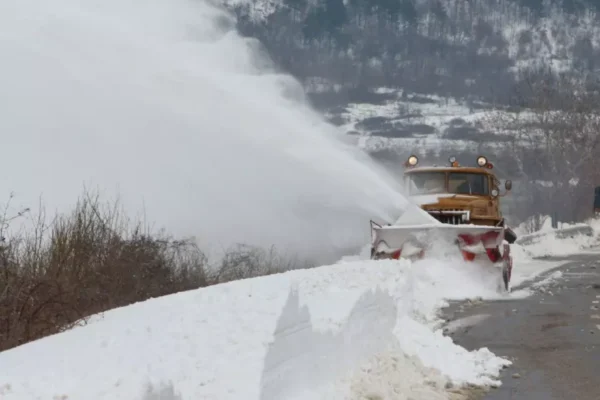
[413,241]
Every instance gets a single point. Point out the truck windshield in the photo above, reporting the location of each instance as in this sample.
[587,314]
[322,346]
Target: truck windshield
[468,183]
[426,182]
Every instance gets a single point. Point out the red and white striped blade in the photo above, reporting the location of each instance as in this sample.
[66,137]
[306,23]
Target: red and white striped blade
[472,238]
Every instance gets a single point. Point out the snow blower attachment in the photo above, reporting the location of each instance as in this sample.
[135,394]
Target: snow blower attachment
[450,204]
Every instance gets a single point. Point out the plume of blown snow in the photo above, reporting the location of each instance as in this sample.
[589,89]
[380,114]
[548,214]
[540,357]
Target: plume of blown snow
[166,105]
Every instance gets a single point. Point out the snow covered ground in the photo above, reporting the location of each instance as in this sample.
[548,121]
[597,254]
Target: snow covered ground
[307,334]
[354,329]
[546,244]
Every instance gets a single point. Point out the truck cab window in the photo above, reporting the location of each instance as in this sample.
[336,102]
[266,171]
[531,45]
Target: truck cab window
[468,183]
[427,182]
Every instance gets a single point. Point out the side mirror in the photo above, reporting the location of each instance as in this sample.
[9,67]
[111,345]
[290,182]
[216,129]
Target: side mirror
[508,184]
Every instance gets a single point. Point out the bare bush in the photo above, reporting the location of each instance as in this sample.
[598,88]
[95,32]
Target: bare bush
[94,259]
[163,392]
[243,261]
[534,223]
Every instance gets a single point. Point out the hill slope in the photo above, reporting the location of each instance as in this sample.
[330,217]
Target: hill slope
[343,331]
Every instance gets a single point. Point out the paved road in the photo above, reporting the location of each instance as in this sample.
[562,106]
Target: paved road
[552,337]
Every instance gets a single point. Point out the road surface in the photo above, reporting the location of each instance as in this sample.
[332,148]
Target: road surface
[552,337]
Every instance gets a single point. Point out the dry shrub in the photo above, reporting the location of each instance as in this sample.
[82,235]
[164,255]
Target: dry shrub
[243,261]
[93,260]
[534,223]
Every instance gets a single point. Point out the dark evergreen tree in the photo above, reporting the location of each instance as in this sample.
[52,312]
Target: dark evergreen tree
[335,14]
[315,23]
[408,11]
[536,6]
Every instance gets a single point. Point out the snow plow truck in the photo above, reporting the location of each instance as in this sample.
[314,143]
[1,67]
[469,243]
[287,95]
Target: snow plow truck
[459,205]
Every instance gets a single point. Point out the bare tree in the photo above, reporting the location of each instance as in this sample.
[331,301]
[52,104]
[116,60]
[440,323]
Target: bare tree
[555,143]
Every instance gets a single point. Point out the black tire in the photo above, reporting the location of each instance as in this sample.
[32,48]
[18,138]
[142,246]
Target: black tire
[510,236]
[505,278]
[506,274]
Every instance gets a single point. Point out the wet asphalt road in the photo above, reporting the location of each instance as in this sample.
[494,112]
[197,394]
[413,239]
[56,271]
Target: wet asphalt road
[552,337]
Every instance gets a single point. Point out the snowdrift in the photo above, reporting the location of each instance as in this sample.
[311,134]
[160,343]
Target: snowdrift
[568,239]
[332,332]
[345,331]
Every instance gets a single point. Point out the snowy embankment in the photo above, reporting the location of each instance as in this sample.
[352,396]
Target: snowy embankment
[345,331]
[568,239]
[353,330]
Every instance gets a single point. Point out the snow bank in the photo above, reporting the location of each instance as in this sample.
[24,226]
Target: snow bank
[547,242]
[550,245]
[337,331]
[546,226]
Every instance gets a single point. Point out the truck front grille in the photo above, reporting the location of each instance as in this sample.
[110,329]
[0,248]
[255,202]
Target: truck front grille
[452,217]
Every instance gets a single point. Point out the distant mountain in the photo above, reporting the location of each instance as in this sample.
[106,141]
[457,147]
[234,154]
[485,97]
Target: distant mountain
[466,49]
[420,76]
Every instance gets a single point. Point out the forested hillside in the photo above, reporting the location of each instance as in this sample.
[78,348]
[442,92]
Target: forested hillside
[472,49]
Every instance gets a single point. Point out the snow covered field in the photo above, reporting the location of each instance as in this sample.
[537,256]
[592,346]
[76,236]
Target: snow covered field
[345,331]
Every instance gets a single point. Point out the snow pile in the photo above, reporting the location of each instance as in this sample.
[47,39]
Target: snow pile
[334,332]
[550,245]
[546,226]
[545,242]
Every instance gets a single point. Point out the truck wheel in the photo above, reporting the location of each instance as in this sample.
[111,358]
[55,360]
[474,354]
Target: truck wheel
[506,274]
[505,279]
